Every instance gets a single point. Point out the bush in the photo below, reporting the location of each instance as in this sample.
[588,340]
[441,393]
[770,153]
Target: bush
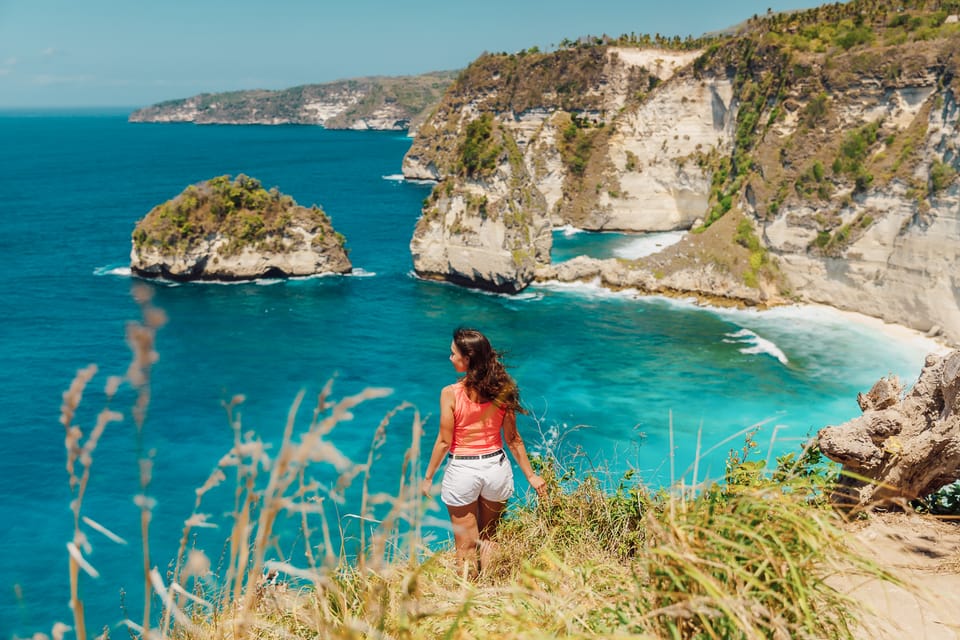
[815,110]
[480,150]
[942,175]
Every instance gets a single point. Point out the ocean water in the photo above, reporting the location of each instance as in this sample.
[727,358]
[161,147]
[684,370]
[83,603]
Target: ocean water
[605,375]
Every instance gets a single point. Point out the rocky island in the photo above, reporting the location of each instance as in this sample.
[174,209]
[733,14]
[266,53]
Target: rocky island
[811,156]
[381,102]
[227,230]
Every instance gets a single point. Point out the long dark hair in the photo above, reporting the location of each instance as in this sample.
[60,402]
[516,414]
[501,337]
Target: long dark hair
[486,374]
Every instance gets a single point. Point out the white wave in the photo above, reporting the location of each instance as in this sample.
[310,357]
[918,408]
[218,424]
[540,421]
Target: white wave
[527,294]
[569,230]
[359,272]
[398,177]
[314,276]
[756,345]
[112,270]
[816,323]
[813,328]
[648,244]
[590,289]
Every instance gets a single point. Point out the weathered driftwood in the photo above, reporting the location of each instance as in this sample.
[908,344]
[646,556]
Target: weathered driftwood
[903,446]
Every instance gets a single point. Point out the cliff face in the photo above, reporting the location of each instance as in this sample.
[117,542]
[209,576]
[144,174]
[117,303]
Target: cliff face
[602,158]
[562,113]
[490,229]
[386,103]
[235,230]
[890,250]
[813,157]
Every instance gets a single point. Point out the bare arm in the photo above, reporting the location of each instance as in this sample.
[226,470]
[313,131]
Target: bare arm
[444,438]
[519,453]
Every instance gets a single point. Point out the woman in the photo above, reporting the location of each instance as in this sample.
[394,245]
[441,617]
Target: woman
[477,415]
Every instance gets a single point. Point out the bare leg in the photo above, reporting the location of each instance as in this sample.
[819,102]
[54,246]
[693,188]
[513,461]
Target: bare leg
[490,513]
[466,536]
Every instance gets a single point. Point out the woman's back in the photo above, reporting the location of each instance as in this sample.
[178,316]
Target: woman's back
[477,424]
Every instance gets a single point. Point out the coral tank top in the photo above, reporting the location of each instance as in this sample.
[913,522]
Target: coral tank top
[476,425]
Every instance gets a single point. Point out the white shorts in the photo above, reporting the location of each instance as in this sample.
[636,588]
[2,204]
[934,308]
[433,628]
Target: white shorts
[465,481]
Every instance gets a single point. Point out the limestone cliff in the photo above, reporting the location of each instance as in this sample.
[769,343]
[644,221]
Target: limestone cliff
[580,120]
[813,156]
[490,229]
[235,230]
[384,103]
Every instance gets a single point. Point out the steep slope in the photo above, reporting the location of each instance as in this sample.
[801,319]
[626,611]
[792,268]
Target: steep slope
[825,140]
[489,229]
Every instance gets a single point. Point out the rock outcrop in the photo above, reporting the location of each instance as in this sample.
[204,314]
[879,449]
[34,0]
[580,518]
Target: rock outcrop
[225,230]
[382,103]
[902,447]
[489,230]
[830,133]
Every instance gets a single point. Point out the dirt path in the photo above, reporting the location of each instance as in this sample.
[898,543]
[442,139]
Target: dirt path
[925,553]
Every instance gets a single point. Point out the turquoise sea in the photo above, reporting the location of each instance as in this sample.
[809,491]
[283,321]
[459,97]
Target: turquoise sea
[604,375]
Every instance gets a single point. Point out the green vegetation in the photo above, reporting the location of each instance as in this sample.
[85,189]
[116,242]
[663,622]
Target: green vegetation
[942,175]
[759,257]
[576,144]
[853,153]
[561,79]
[811,182]
[816,110]
[744,555]
[833,236]
[240,210]
[799,62]
[480,149]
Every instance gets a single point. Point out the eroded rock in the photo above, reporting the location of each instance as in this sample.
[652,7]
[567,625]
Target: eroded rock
[225,230]
[902,447]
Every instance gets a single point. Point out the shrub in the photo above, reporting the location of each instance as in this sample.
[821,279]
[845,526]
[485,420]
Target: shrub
[942,175]
[815,110]
[479,150]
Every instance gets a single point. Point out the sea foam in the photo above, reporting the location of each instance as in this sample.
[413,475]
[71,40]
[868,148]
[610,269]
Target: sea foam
[398,177]
[360,272]
[113,270]
[587,289]
[756,344]
[568,230]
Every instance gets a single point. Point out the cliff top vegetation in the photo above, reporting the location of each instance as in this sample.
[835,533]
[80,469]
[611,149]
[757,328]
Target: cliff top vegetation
[239,209]
[810,68]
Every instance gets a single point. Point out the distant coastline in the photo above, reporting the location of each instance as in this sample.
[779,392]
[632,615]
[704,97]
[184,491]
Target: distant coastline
[393,103]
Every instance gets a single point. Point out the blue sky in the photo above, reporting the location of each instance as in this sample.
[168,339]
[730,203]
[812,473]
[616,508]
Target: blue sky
[68,53]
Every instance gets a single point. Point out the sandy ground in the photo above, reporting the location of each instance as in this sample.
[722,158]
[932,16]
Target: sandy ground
[925,553]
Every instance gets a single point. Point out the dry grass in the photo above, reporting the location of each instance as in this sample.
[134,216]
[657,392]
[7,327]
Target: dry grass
[749,557]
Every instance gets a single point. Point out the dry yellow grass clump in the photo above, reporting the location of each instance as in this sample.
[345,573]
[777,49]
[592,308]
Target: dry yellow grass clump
[748,557]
